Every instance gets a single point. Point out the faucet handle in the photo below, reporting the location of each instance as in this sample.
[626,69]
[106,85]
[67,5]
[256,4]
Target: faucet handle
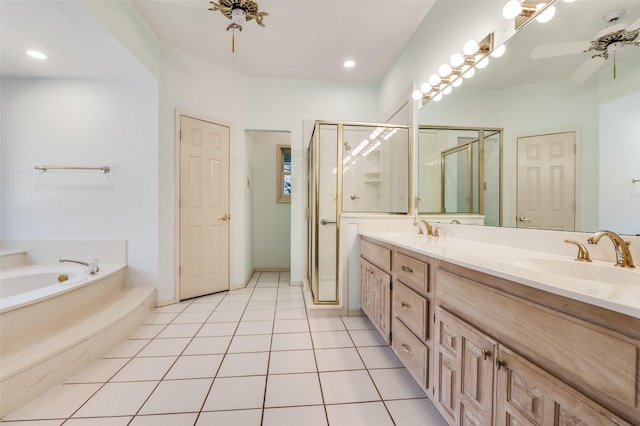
[583,253]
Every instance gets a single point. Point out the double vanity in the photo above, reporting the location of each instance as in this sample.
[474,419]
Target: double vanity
[497,334]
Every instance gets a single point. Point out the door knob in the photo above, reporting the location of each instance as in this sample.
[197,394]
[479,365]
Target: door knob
[354,197]
[524,219]
[225,217]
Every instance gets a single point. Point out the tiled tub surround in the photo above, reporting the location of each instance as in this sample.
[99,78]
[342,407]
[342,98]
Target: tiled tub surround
[246,357]
[51,333]
[491,308]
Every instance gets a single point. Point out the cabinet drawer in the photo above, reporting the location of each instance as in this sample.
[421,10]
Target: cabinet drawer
[413,353]
[411,308]
[412,272]
[378,255]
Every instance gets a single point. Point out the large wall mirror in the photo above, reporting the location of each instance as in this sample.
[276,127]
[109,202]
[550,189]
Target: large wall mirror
[552,98]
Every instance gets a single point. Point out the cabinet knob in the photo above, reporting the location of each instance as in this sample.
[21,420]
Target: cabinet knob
[407,349]
[500,363]
[485,353]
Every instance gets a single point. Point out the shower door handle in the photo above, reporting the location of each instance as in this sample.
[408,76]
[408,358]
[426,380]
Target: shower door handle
[325,221]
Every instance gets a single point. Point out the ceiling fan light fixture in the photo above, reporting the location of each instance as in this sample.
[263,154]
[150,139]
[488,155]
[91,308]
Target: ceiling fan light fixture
[238,16]
[512,9]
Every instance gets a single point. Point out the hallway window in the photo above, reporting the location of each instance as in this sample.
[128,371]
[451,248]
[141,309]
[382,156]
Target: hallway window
[284,173]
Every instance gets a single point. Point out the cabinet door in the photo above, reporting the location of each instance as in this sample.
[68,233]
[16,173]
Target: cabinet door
[375,296]
[527,395]
[366,269]
[463,371]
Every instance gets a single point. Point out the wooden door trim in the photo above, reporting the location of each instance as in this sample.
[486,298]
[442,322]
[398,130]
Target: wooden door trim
[577,171]
[176,191]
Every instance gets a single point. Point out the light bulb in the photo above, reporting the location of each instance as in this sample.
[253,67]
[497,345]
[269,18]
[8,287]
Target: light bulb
[499,51]
[456,60]
[238,16]
[447,90]
[425,87]
[444,70]
[437,97]
[434,79]
[470,73]
[483,63]
[511,9]
[470,47]
[416,95]
[547,14]
[457,82]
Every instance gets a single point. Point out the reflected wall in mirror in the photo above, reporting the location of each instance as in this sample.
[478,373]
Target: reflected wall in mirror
[555,94]
[459,172]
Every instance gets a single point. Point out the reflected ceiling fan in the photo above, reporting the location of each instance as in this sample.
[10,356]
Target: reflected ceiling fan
[606,43]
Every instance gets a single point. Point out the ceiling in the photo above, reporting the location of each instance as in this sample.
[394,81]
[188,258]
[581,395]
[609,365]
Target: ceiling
[302,39]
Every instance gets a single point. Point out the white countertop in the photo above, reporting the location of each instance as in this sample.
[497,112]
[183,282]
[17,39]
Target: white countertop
[524,267]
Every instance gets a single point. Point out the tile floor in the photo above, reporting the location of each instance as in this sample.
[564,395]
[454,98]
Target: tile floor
[246,357]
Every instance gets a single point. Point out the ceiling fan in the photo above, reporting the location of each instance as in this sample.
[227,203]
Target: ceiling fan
[606,42]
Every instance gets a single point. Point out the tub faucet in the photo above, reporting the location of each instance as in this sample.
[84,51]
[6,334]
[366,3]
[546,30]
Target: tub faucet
[427,226]
[92,267]
[623,254]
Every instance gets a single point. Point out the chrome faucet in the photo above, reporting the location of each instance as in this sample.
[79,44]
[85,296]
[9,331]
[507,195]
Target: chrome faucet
[623,254]
[92,267]
[427,226]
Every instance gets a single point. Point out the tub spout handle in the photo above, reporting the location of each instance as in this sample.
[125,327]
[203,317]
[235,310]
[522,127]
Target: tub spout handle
[92,267]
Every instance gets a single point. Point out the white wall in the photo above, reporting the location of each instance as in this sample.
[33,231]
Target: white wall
[271,221]
[275,104]
[82,123]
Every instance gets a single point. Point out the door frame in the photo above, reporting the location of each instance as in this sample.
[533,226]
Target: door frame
[176,191]
[577,170]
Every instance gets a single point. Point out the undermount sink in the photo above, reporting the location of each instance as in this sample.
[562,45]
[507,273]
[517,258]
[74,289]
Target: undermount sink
[585,270]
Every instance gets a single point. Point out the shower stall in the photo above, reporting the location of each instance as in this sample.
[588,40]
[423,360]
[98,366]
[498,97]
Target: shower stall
[356,169]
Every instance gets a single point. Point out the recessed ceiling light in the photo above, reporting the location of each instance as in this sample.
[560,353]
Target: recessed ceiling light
[36,54]
[349,63]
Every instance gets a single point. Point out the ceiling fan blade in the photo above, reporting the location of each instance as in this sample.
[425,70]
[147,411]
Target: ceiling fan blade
[634,26]
[586,69]
[559,49]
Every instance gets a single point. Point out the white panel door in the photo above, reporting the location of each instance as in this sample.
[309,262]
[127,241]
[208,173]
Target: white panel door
[546,182]
[204,208]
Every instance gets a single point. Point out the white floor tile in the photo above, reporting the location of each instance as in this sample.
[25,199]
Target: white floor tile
[230,418]
[127,349]
[140,369]
[183,419]
[177,396]
[60,402]
[237,297]
[358,323]
[291,341]
[283,314]
[165,347]
[338,359]
[176,307]
[291,326]
[147,331]
[195,367]
[98,421]
[288,390]
[285,362]
[291,304]
[379,357]
[244,364]
[100,371]
[326,324]
[308,416]
[260,306]
[362,414]
[367,338]
[236,393]
[254,327]
[179,330]
[287,296]
[264,297]
[348,386]
[117,399]
[261,315]
[35,423]
[191,317]
[259,343]
[225,316]
[406,412]
[211,329]
[225,306]
[396,383]
[217,297]
[208,345]
[202,306]
[160,317]
[331,339]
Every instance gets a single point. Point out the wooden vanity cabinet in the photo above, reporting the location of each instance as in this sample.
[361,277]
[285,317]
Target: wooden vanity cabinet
[412,316]
[375,285]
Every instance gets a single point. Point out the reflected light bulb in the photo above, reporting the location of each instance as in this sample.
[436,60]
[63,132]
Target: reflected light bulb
[483,63]
[425,87]
[499,51]
[437,97]
[470,47]
[456,60]
[511,9]
[447,90]
[457,82]
[434,79]
[470,73]
[416,95]
[546,14]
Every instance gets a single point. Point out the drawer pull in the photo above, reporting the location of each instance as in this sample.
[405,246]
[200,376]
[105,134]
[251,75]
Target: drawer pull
[485,353]
[406,306]
[500,363]
[407,269]
[407,349]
